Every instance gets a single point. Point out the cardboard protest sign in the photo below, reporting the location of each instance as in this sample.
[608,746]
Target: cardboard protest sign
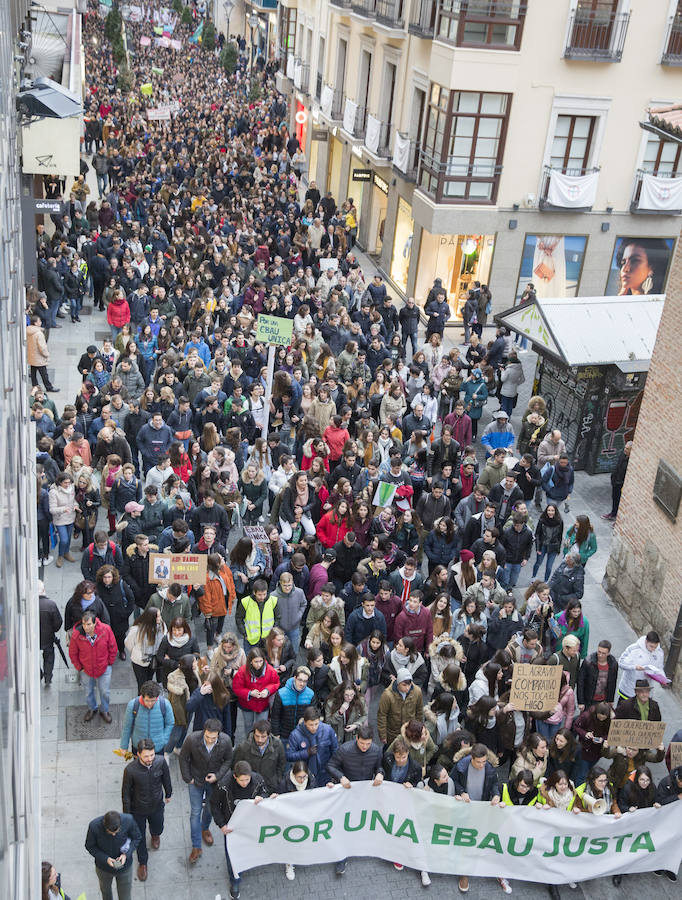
[384,494]
[535,688]
[675,754]
[274,330]
[635,733]
[185,568]
[257,534]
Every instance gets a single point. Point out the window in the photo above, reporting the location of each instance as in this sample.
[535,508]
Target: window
[320,68]
[463,144]
[496,24]
[597,31]
[572,144]
[287,31]
[661,157]
[672,54]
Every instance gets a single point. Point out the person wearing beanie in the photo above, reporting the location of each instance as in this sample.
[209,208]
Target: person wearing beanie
[400,702]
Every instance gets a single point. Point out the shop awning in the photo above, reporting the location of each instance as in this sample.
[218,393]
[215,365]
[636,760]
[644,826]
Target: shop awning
[665,121]
[591,331]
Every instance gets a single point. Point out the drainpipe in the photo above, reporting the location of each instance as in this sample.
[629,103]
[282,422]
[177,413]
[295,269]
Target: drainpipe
[675,647]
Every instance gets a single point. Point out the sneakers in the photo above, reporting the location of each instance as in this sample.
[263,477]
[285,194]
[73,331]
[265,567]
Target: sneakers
[398,867]
[464,884]
[289,871]
[426,880]
[573,885]
[504,884]
[567,508]
[46,560]
[341,867]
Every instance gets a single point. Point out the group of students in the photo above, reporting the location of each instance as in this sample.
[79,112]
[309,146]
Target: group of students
[372,584]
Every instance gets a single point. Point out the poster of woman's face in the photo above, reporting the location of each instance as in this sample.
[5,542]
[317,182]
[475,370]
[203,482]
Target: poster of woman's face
[552,263]
[639,265]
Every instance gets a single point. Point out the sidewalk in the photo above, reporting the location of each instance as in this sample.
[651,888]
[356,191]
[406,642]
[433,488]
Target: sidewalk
[82,779]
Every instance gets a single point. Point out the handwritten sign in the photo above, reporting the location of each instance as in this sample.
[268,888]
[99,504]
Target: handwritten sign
[257,534]
[184,568]
[274,330]
[535,688]
[636,734]
[675,754]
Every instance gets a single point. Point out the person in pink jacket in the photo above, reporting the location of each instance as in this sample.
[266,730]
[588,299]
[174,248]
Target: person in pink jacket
[93,650]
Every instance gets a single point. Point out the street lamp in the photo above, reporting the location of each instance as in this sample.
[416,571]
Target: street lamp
[228,6]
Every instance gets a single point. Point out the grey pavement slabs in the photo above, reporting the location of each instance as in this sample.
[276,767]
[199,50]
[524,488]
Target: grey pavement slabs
[82,779]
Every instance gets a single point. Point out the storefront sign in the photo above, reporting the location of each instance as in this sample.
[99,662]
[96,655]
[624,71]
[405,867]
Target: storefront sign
[431,832]
[319,134]
[49,207]
[362,174]
[635,733]
[381,184]
[184,568]
[535,688]
[274,330]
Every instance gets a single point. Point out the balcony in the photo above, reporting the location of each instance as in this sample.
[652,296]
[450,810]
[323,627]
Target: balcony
[657,193]
[406,157]
[672,55]
[365,8]
[378,137]
[422,22]
[301,75]
[332,103]
[341,4]
[453,181]
[568,190]
[596,37]
[390,13]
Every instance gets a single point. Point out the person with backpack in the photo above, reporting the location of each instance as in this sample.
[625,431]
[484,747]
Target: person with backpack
[92,650]
[147,716]
[101,552]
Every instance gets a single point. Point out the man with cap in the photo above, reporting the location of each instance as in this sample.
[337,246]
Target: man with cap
[348,554]
[131,526]
[400,702]
[498,434]
[641,706]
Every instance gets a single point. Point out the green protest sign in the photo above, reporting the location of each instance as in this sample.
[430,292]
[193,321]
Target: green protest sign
[274,330]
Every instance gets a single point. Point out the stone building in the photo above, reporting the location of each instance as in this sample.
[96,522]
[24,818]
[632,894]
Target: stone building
[643,572]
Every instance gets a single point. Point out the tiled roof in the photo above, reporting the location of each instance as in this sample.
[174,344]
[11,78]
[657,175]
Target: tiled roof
[667,118]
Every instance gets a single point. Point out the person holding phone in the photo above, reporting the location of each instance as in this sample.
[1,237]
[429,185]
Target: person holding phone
[111,840]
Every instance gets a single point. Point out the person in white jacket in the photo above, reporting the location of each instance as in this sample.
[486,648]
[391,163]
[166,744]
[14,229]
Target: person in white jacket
[642,659]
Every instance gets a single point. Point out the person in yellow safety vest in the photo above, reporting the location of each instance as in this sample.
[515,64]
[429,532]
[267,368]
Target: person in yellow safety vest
[559,792]
[521,791]
[256,615]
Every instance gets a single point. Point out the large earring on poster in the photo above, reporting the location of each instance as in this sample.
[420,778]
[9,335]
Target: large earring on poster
[648,283]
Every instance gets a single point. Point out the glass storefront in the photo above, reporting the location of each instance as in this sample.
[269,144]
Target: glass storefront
[458,260]
[355,191]
[402,244]
[334,168]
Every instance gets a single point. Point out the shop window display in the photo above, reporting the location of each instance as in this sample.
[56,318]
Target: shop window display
[459,260]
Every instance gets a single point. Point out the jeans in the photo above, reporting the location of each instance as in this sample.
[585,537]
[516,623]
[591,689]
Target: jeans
[102,685]
[64,532]
[249,717]
[155,820]
[616,491]
[521,339]
[102,183]
[235,880]
[295,637]
[285,527]
[115,331]
[507,404]
[199,811]
[43,539]
[124,883]
[142,674]
[512,571]
[177,736]
[53,306]
[412,337]
[546,729]
[551,556]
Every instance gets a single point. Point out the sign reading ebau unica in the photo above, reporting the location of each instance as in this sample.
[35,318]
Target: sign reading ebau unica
[274,330]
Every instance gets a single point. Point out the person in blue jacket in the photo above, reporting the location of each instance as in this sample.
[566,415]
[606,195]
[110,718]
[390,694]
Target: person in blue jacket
[499,433]
[364,619]
[313,742]
[210,701]
[148,716]
[290,702]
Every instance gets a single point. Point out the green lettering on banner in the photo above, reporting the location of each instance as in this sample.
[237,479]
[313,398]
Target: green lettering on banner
[511,847]
[599,845]
[643,841]
[568,851]
[274,330]
[377,819]
[291,830]
[441,834]
[348,827]
[620,840]
[465,837]
[555,847]
[268,831]
[407,830]
[491,842]
[322,829]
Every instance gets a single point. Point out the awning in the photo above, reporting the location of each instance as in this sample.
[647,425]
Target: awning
[591,331]
[665,121]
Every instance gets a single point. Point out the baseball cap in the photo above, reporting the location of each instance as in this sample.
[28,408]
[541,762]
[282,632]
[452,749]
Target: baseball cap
[132,506]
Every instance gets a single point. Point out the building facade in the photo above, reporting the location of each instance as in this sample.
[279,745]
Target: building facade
[491,140]
[19,625]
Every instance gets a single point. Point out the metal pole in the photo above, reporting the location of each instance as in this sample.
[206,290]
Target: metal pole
[268,390]
[675,646]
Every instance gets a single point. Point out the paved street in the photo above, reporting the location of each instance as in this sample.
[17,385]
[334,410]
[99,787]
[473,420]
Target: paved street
[81,779]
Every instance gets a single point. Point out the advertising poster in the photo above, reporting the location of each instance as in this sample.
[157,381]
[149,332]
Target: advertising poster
[553,262]
[639,265]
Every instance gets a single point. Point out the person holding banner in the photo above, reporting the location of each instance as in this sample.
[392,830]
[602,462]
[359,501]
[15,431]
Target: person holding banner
[475,778]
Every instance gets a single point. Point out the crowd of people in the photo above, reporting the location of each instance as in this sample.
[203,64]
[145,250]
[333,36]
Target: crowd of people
[364,540]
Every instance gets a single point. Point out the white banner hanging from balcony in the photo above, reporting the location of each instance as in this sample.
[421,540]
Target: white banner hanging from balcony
[401,152]
[660,193]
[291,65]
[572,191]
[326,101]
[349,113]
[373,133]
[298,74]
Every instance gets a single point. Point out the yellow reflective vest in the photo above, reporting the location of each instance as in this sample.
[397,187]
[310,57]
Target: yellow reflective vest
[258,621]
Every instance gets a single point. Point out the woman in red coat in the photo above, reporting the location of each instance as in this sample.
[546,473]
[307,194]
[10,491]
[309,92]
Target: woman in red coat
[118,314]
[253,685]
[334,525]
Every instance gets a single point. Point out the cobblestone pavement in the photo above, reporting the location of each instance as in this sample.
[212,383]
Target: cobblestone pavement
[82,779]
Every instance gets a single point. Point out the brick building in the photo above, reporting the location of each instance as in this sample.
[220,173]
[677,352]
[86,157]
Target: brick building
[643,572]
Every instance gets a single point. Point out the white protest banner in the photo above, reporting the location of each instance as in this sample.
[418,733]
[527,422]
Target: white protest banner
[434,833]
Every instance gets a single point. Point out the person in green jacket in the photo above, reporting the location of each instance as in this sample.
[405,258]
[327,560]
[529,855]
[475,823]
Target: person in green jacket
[581,536]
[572,621]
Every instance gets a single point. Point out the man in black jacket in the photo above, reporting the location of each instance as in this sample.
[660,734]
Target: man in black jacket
[478,524]
[136,570]
[505,495]
[264,753]
[597,677]
[111,840]
[528,477]
[145,781]
[641,706]
[101,552]
[358,760]
[205,759]
[518,543]
[210,513]
[50,623]
[409,324]
[618,480]
[348,554]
